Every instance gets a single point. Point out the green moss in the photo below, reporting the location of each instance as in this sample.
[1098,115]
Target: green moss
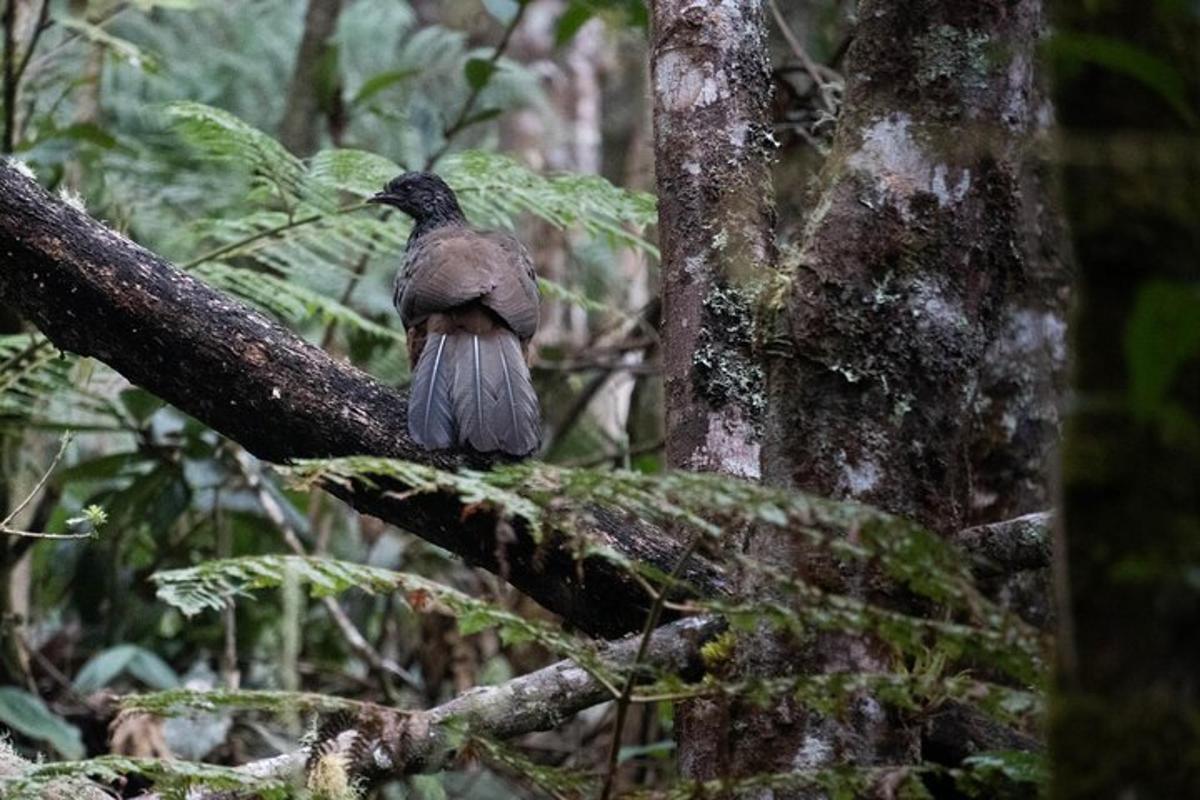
[719,651]
[726,370]
[952,54]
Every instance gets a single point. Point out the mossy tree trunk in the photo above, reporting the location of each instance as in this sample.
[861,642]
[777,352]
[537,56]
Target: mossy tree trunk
[926,255]
[713,148]
[1127,701]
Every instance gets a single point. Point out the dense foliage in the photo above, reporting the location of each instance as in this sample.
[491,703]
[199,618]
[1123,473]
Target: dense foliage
[183,600]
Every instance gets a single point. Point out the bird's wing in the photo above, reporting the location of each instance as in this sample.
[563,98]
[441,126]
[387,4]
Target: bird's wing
[515,297]
[449,268]
[444,269]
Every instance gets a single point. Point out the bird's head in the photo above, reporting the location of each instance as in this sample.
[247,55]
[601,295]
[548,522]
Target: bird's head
[421,195]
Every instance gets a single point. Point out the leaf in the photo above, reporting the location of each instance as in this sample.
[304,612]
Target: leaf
[657,750]
[427,787]
[123,49]
[574,18]
[1014,765]
[482,116]
[502,10]
[1126,59]
[88,132]
[27,714]
[1163,334]
[140,404]
[478,72]
[103,668]
[381,81]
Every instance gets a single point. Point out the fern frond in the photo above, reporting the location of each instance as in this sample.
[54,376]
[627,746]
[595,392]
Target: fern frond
[223,136]
[172,778]
[178,702]
[290,301]
[494,189]
[38,388]
[210,585]
[710,505]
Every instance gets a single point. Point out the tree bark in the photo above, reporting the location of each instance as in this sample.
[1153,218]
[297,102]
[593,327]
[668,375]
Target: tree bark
[1123,716]
[303,115]
[911,272]
[912,256]
[713,149]
[97,294]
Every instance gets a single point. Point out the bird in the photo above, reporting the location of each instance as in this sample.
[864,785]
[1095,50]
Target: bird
[468,299]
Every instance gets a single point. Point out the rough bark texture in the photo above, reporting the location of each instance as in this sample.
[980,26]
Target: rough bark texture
[96,293]
[912,273]
[713,145]
[713,148]
[303,117]
[1124,717]
[910,260]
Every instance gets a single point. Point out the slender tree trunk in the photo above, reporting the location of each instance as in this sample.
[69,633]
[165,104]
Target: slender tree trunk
[1124,716]
[310,93]
[713,151]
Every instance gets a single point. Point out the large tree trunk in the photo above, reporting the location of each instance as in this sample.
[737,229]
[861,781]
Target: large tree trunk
[912,258]
[914,269]
[1124,717]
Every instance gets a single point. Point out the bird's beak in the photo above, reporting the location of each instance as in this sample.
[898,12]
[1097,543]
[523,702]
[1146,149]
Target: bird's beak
[383,198]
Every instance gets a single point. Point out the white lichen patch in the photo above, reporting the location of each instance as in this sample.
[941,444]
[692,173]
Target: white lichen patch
[21,167]
[945,193]
[72,198]
[860,478]
[686,85]
[730,446]
[936,310]
[899,167]
[814,753]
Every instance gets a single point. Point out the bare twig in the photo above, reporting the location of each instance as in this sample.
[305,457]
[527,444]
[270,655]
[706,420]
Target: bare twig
[426,741]
[275,513]
[62,449]
[43,22]
[10,83]
[656,610]
[811,67]
[43,535]
[76,35]
[463,118]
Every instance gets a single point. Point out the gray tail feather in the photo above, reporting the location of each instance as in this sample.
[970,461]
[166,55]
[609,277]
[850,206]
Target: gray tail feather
[495,407]
[430,409]
[472,389]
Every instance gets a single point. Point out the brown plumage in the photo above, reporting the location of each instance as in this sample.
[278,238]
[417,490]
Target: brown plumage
[469,301]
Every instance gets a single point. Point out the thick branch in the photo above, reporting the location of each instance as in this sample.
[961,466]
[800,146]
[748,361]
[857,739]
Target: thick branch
[94,292]
[1014,545]
[424,741]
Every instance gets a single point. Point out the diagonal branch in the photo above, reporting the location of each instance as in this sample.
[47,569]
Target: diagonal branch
[407,743]
[94,292]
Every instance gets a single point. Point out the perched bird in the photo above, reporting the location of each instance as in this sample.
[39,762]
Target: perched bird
[469,301]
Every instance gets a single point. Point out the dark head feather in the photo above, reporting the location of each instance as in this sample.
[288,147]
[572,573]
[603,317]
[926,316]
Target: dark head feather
[423,196]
